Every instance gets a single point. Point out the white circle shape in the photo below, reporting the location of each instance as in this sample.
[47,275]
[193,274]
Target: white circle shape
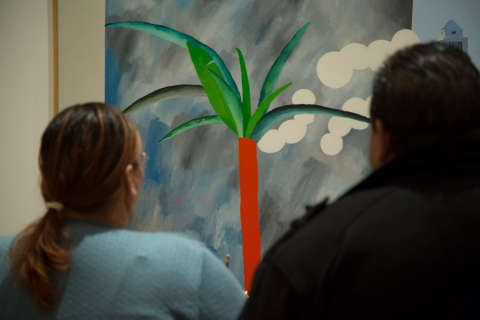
[334,70]
[304,118]
[369,105]
[331,144]
[292,131]
[357,54]
[339,126]
[271,142]
[303,96]
[378,51]
[403,38]
[359,106]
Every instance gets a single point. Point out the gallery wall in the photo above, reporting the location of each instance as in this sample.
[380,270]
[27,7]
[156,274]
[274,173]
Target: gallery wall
[81,37]
[25,88]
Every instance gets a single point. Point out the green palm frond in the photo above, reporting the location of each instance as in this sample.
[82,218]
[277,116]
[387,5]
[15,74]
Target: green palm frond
[246,103]
[180,39]
[197,122]
[273,117]
[203,66]
[221,90]
[232,102]
[262,108]
[277,67]
[165,93]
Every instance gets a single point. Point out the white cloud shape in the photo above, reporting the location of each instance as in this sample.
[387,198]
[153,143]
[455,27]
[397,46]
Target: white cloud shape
[360,106]
[290,131]
[335,68]
[304,118]
[271,142]
[293,130]
[332,142]
[339,126]
[378,51]
[303,96]
[402,39]
[356,54]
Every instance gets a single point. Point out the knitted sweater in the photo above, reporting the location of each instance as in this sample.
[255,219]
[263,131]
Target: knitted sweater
[121,274]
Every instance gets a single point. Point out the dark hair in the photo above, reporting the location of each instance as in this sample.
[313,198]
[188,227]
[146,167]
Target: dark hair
[83,154]
[427,94]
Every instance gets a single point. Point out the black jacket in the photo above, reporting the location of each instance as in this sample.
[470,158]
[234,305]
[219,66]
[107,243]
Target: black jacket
[403,244]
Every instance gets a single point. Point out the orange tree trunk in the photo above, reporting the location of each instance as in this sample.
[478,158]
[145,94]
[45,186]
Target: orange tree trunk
[248,170]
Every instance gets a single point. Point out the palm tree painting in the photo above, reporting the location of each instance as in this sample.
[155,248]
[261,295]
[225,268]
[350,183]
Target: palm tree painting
[233,109]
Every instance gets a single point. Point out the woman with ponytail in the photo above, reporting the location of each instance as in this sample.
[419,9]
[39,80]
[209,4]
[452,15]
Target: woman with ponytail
[79,262]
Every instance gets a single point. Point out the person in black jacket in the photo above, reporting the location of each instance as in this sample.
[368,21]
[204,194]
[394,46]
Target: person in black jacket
[405,242]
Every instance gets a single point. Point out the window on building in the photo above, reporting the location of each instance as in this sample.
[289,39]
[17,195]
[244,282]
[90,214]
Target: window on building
[456,44]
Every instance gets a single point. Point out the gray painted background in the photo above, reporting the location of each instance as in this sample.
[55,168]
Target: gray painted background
[191,183]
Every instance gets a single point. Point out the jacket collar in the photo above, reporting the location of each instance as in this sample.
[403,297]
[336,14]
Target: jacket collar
[439,160]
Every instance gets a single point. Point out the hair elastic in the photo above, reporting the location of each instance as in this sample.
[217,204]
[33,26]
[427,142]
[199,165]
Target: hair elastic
[57,206]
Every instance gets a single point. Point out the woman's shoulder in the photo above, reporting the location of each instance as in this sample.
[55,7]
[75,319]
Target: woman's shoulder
[162,255]
[158,239]
[5,243]
[167,242]
[131,244]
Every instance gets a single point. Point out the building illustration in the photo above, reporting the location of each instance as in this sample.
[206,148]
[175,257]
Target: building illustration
[453,35]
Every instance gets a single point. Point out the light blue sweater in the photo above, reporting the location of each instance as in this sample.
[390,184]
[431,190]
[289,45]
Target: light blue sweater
[121,274]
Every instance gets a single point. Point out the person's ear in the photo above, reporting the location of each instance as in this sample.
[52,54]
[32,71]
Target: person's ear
[131,184]
[379,144]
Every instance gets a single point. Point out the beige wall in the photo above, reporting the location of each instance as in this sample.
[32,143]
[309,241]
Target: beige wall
[26,89]
[26,101]
[81,33]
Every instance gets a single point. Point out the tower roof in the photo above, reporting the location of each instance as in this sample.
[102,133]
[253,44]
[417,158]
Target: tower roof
[451,24]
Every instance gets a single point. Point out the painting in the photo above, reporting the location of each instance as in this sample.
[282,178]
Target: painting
[249,110]
[452,22]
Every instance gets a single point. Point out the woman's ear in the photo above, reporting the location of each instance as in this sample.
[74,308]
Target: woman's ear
[132,188]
